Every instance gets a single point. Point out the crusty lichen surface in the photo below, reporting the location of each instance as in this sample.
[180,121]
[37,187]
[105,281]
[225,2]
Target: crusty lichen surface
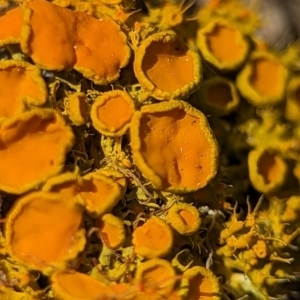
[148,150]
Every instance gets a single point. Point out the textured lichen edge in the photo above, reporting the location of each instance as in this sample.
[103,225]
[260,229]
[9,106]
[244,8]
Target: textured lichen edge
[36,76]
[116,195]
[45,114]
[183,92]
[163,107]
[206,53]
[67,177]
[232,105]
[91,75]
[17,210]
[248,92]
[257,179]
[292,109]
[100,126]
[194,271]
[148,252]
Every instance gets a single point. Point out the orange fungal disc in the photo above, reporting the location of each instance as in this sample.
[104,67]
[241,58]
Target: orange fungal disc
[112,112]
[100,193]
[173,146]
[184,218]
[79,286]
[263,80]
[43,231]
[11,26]
[220,96]
[203,284]
[21,86]
[69,41]
[222,45]
[111,231]
[66,184]
[101,49]
[153,239]
[33,148]
[267,170]
[52,36]
[124,291]
[155,275]
[166,68]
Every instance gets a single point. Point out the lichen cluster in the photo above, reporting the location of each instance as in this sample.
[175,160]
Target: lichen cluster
[148,150]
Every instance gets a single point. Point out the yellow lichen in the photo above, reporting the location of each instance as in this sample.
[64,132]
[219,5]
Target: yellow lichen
[292,108]
[184,218]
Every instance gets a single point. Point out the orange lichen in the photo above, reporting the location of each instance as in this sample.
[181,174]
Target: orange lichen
[21,86]
[124,291]
[173,146]
[77,108]
[112,112]
[68,41]
[43,231]
[184,218]
[155,275]
[110,53]
[78,286]
[222,45]
[66,184]
[11,26]
[264,72]
[203,284]
[267,167]
[51,46]
[153,239]
[267,170]
[111,231]
[166,68]
[100,193]
[33,148]
[263,80]
[220,95]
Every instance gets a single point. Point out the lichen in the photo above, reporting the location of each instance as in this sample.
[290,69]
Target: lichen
[148,150]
